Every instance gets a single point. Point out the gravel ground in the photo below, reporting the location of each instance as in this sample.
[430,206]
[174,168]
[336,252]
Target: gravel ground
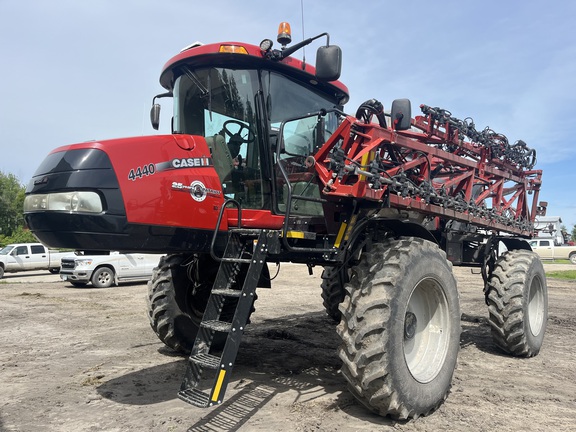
[86,360]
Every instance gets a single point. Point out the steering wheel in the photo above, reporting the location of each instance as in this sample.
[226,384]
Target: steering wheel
[237,136]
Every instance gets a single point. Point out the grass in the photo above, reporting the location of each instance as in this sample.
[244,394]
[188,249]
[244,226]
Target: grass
[562,274]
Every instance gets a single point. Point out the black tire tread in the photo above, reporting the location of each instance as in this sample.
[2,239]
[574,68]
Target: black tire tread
[505,302]
[162,305]
[332,292]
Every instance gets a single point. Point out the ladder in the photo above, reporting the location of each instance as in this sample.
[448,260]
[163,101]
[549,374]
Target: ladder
[207,371]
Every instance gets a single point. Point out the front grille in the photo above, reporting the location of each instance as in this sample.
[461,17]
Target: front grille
[67,264]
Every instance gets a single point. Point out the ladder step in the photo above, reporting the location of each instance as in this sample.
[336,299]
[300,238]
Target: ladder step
[252,232]
[227,292]
[236,260]
[221,326]
[195,397]
[206,360]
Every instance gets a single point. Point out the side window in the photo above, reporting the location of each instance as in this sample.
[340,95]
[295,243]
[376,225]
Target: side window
[545,243]
[37,249]
[21,250]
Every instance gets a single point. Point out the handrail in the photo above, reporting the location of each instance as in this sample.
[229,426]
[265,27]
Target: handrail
[219,221]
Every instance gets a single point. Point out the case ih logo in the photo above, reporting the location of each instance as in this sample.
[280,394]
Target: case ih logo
[197,162]
[197,190]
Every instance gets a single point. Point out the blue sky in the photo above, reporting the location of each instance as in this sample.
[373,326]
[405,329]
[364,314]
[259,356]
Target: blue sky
[74,71]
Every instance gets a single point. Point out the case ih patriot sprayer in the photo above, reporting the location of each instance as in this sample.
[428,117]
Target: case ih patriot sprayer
[264,166]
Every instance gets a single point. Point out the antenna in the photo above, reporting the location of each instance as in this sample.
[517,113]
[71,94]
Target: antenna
[303,34]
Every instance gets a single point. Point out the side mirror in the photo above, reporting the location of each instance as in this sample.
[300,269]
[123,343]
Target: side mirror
[401,114]
[155,110]
[328,63]
[155,116]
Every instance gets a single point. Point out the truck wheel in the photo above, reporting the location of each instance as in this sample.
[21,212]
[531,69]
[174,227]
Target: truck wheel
[177,298]
[400,328]
[332,291]
[572,258]
[1,272]
[518,303]
[103,277]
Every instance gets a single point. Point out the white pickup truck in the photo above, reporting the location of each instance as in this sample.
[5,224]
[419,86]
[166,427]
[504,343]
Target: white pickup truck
[29,256]
[546,249]
[104,270]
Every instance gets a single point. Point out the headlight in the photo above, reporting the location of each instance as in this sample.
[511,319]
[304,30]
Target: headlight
[80,202]
[82,262]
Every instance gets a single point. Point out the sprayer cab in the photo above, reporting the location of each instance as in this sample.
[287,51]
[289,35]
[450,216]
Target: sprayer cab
[328,61]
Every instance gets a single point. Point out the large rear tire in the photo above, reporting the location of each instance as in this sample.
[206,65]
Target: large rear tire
[518,303]
[400,328]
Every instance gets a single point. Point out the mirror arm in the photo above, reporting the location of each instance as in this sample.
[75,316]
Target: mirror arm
[290,50]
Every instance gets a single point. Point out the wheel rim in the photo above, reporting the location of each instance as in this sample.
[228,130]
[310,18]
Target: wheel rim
[536,306]
[573,258]
[104,277]
[426,330]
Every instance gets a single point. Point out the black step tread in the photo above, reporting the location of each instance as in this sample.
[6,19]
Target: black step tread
[221,326]
[206,360]
[195,397]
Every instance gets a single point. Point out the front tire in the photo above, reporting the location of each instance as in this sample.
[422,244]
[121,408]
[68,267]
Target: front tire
[572,258]
[518,303]
[178,293]
[103,277]
[400,328]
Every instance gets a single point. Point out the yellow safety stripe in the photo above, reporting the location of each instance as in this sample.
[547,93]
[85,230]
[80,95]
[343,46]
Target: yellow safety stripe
[218,385]
[365,160]
[295,234]
[341,232]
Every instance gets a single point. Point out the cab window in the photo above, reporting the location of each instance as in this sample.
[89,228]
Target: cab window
[219,104]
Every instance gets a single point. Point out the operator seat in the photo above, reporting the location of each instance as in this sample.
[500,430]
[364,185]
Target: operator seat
[221,157]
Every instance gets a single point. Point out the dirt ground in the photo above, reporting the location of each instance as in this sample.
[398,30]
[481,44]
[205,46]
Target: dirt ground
[86,360]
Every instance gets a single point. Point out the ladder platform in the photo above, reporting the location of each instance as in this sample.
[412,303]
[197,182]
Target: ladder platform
[220,326]
[227,292]
[195,397]
[206,360]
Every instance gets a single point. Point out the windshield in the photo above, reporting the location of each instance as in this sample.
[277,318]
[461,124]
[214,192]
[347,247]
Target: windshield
[219,104]
[6,250]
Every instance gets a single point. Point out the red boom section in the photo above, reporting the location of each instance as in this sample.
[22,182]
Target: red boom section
[432,169]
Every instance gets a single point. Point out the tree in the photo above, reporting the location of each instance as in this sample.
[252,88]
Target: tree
[11,204]
[574,233]
[21,235]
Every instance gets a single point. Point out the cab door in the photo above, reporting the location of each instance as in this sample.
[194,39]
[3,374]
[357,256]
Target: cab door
[21,258]
[38,257]
[546,249]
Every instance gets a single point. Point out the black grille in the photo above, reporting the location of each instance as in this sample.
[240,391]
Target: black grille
[67,264]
